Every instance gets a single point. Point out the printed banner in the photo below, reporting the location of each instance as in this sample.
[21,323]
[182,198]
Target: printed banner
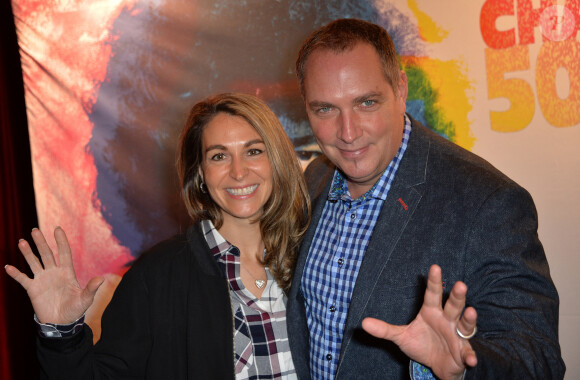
[109,83]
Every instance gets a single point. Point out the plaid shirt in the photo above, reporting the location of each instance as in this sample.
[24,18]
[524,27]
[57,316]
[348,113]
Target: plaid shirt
[260,337]
[334,259]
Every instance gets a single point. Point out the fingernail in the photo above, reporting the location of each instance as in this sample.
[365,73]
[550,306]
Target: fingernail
[57,227]
[35,228]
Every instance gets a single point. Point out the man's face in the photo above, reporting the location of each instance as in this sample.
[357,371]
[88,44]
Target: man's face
[354,114]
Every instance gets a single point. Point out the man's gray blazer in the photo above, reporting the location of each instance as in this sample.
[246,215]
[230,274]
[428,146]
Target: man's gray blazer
[447,207]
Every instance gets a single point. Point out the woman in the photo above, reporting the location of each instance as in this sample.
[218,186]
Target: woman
[209,303]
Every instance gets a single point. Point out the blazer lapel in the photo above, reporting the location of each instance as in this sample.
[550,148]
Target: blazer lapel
[401,202]
[318,202]
[299,336]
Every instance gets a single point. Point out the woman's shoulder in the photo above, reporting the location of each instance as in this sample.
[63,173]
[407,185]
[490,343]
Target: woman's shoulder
[176,250]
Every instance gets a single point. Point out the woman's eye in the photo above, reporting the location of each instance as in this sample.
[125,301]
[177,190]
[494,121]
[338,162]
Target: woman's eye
[218,157]
[254,152]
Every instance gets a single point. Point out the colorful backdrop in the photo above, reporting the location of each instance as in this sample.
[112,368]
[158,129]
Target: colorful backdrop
[108,84]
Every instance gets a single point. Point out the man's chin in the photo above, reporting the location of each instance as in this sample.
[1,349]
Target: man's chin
[360,178]
[355,172]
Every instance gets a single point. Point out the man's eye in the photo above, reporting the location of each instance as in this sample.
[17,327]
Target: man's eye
[323,110]
[368,103]
[305,155]
[218,157]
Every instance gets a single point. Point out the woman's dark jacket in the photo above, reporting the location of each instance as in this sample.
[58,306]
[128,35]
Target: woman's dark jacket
[170,318]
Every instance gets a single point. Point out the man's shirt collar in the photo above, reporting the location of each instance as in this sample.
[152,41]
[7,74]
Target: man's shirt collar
[339,188]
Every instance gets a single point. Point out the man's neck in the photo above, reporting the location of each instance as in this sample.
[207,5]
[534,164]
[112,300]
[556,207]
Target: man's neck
[357,190]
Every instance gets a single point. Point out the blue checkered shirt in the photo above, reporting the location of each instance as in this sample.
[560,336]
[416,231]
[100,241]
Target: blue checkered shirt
[341,239]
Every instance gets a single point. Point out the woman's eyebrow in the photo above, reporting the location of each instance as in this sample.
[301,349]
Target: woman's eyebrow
[223,147]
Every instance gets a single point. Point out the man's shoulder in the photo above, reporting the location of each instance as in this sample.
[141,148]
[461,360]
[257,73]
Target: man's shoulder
[318,173]
[447,157]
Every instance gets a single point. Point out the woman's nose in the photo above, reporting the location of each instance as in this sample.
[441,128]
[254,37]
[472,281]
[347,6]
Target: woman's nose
[238,169]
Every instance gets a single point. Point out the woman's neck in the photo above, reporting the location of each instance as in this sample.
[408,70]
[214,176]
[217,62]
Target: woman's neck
[246,236]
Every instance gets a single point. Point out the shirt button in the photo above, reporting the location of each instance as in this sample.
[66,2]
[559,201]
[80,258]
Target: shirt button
[340,262]
[332,309]
[328,357]
[353,216]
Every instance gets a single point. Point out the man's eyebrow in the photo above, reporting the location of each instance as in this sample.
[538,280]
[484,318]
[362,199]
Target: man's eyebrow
[319,104]
[367,96]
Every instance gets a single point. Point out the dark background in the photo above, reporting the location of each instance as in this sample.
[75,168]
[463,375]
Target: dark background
[17,209]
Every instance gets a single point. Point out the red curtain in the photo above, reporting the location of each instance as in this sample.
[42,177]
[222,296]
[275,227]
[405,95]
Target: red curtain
[17,209]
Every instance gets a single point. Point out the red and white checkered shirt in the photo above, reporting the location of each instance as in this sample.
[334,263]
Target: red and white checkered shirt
[260,336]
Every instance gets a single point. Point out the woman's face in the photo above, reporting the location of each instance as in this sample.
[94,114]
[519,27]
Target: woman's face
[235,167]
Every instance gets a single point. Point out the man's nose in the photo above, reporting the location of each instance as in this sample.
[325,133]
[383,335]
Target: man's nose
[349,129]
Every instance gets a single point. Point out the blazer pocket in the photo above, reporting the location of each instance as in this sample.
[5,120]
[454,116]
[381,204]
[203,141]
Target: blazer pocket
[396,305]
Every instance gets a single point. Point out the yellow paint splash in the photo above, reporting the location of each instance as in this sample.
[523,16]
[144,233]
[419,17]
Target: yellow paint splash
[429,31]
[453,94]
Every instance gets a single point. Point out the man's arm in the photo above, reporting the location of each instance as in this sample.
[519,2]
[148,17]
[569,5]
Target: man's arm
[510,287]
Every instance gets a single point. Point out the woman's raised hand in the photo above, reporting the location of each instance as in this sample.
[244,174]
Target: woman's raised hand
[54,291]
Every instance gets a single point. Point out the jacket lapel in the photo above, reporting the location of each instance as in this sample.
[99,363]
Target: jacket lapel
[299,336]
[401,202]
[217,323]
[318,201]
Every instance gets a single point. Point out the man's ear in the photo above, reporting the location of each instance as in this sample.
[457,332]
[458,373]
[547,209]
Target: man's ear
[403,91]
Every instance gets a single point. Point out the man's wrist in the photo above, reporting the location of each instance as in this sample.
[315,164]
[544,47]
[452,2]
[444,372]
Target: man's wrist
[420,372]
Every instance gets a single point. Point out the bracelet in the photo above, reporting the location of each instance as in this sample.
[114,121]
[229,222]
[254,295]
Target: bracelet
[52,330]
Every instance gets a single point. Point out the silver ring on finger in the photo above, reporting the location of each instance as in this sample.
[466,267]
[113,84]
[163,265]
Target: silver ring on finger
[469,336]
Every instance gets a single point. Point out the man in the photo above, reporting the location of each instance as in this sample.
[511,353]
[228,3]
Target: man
[390,199]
